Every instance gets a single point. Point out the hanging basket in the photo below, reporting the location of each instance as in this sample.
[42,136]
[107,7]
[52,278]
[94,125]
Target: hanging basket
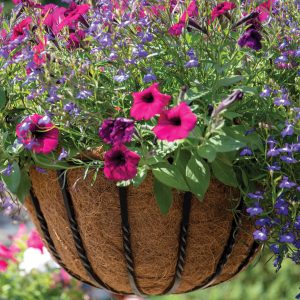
[117,239]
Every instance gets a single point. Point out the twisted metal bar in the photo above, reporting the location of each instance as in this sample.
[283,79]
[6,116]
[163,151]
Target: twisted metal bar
[186,209]
[127,242]
[227,249]
[46,235]
[81,251]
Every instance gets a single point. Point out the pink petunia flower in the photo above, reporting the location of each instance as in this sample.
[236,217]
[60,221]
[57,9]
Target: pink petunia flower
[175,123]
[221,9]
[148,103]
[35,241]
[7,253]
[264,10]
[39,57]
[19,31]
[120,163]
[38,134]
[3,266]
[75,39]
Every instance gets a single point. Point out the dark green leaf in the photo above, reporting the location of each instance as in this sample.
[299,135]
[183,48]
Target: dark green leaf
[224,173]
[163,196]
[228,81]
[198,176]
[223,143]
[182,160]
[3,99]
[170,176]
[208,152]
[24,187]
[13,181]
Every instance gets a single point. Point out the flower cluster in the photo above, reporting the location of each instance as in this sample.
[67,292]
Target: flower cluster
[185,90]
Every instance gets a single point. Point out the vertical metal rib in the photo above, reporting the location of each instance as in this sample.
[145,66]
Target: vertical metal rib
[76,234]
[127,242]
[46,235]
[227,250]
[186,209]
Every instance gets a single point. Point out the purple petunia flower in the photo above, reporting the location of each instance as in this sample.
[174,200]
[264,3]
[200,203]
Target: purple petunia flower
[286,184]
[246,152]
[251,39]
[287,238]
[117,131]
[260,235]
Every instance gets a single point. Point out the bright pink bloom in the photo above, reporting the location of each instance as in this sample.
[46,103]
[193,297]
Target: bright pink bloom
[73,15]
[148,103]
[7,253]
[75,39]
[264,10]
[221,9]
[3,265]
[191,11]
[35,241]
[175,123]
[120,163]
[38,134]
[54,16]
[39,58]
[19,31]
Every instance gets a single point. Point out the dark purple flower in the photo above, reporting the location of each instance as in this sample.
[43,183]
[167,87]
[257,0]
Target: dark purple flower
[288,159]
[256,195]
[192,63]
[246,152]
[251,39]
[41,170]
[288,130]
[63,154]
[275,248]
[266,92]
[260,235]
[286,184]
[297,223]
[273,152]
[72,109]
[283,100]
[288,237]
[117,131]
[255,210]
[263,222]
[274,167]
[8,170]
[281,59]
[281,207]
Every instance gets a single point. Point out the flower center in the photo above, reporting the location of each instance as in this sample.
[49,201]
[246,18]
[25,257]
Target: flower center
[148,98]
[119,158]
[176,121]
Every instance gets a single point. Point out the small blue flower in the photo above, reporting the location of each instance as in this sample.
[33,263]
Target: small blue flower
[255,210]
[288,159]
[288,130]
[286,184]
[260,235]
[266,92]
[287,238]
[246,152]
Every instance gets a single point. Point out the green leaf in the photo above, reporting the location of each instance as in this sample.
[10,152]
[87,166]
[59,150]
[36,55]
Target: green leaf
[224,173]
[24,187]
[208,152]
[13,181]
[252,140]
[228,81]
[181,160]
[163,196]
[170,176]
[139,178]
[3,99]
[223,143]
[49,161]
[198,176]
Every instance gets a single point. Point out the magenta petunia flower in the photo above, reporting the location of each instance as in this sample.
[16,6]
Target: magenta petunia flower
[117,131]
[35,241]
[120,163]
[38,134]
[175,123]
[221,9]
[19,30]
[148,103]
[251,39]
[3,266]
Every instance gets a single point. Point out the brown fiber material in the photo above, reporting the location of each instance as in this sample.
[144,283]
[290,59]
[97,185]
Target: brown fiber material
[154,237]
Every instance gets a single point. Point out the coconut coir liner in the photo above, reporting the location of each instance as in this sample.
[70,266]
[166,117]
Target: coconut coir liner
[154,237]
